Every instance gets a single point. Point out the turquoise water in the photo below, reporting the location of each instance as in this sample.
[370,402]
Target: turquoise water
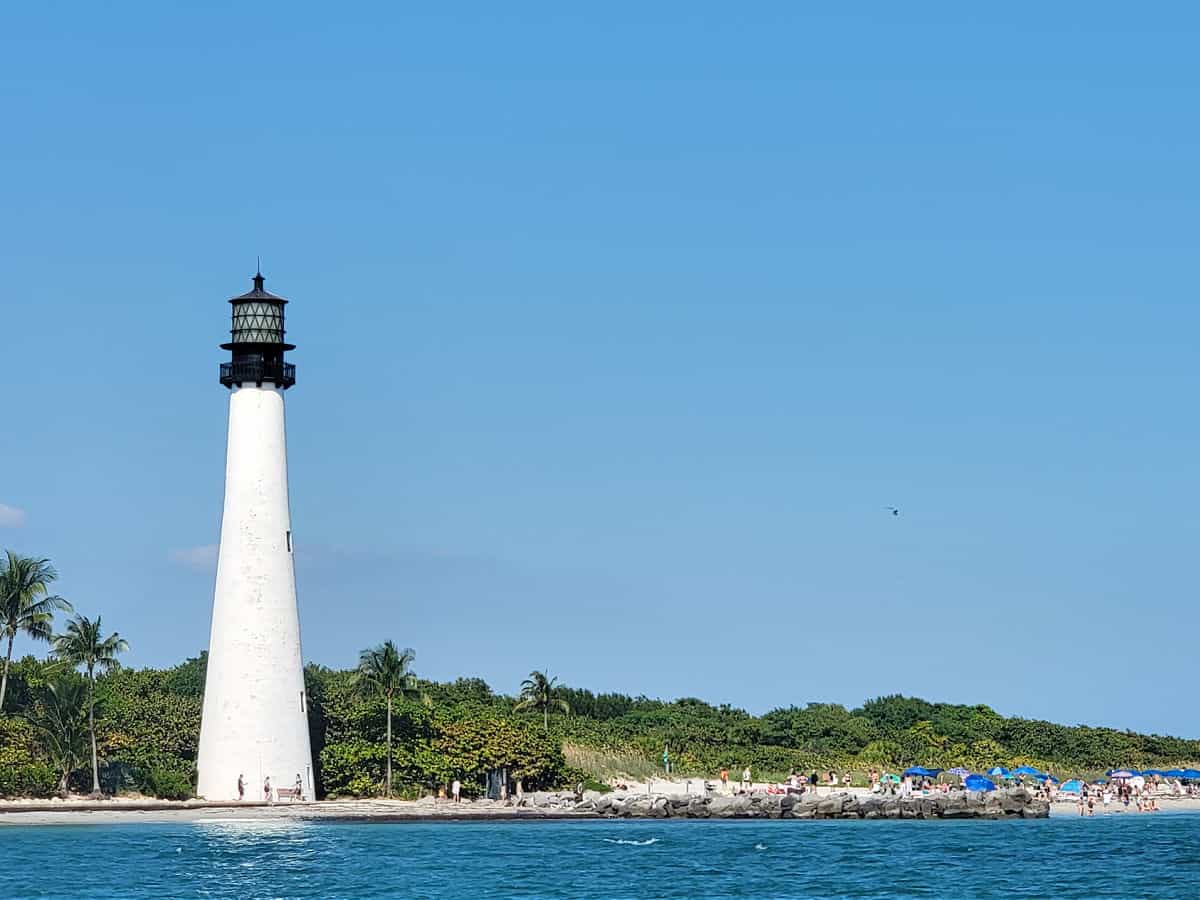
[1114,856]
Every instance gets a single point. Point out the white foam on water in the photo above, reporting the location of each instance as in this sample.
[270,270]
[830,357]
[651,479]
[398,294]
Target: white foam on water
[645,843]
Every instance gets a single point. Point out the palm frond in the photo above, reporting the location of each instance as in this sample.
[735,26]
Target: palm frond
[386,671]
[25,600]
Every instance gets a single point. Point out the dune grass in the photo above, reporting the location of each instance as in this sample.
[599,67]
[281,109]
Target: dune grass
[606,764]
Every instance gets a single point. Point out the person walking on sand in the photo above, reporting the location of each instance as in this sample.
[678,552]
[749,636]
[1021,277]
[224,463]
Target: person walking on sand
[724,780]
[267,789]
[456,791]
[241,788]
[298,789]
[746,779]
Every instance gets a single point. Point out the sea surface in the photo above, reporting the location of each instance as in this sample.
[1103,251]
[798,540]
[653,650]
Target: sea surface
[1113,856]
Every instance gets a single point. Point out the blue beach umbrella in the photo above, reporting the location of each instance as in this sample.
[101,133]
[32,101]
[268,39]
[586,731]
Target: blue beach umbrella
[959,771]
[921,772]
[978,783]
[998,770]
[1122,773]
[1027,770]
[1074,786]
[1174,773]
[1191,774]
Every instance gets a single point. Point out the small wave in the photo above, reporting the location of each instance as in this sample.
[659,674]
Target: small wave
[760,846]
[645,843]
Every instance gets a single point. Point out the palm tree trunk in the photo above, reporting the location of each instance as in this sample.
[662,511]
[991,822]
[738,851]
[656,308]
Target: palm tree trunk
[546,718]
[389,748]
[92,729]
[4,680]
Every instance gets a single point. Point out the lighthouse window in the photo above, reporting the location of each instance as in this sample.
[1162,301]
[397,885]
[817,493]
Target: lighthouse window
[289,542]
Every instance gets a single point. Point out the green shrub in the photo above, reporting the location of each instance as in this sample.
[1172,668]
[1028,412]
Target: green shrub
[166,784]
[22,774]
[32,779]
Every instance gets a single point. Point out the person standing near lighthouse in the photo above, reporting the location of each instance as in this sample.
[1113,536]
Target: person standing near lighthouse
[255,706]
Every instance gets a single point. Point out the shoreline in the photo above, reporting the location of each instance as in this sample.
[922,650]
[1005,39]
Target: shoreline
[383,811]
[113,812]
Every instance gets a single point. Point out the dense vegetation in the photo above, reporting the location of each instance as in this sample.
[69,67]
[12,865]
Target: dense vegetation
[148,723]
[78,720]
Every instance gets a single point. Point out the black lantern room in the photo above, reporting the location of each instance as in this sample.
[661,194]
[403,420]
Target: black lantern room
[256,341]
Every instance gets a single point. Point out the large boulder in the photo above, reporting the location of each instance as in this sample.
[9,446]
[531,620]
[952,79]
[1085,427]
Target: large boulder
[831,806]
[871,807]
[638,807]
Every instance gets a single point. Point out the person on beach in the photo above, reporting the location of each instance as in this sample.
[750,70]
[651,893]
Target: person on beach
[724,780]
[298,788]
[241,788]
[267,789]
[456,791]
[746,779]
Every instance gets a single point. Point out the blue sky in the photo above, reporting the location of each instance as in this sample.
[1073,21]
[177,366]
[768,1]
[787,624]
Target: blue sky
[619,329]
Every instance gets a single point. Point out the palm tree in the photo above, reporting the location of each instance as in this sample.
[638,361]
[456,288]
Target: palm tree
[26,605]
[84,645]
[63,725]
[384,671]
[537,692]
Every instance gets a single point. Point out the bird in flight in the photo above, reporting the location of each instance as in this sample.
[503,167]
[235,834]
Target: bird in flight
[892,510]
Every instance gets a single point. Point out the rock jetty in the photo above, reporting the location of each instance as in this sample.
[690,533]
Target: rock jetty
[1002,804]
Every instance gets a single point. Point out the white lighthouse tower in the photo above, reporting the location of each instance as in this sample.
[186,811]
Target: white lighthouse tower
[255,721]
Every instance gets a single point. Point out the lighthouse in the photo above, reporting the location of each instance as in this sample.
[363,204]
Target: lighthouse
[255,718]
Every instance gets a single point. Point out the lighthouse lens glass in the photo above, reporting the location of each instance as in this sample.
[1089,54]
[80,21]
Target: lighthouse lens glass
[258,323]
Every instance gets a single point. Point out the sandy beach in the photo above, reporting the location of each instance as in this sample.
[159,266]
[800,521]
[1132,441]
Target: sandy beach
[86,812]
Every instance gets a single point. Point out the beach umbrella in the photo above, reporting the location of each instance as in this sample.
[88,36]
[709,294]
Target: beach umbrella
[895,779]
[1121,773]
[1191,774]
[1159,772]
[998,770]
[978,783]
[921,772]
[1026,770]
[959,771]
[1074,786]
[1175,773]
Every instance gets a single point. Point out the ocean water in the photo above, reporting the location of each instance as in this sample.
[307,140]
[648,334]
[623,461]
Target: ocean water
[1114,856]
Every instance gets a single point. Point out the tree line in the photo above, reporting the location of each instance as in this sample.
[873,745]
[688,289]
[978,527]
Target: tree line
[78,720]
[27,608]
